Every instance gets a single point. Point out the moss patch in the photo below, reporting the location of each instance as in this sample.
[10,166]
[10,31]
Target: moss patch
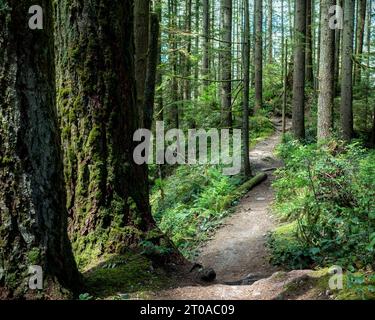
[126,276]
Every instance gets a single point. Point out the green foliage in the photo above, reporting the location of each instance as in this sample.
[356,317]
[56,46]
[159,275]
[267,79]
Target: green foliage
[192,202]
[329,192]
[260,127]
[85,296]
[4,6]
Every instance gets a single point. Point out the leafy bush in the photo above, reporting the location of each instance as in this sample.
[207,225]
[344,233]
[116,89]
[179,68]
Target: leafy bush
[329,191]
[192,202]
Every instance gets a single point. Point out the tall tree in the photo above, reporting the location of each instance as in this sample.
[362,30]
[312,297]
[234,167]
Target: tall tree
[226,62]
[326,73]
[360,38]
[319,38]
[347,71]
[152,61]
[299,71]
[282,40]
[258,53]
[206,42]
[159,116]
[107,191]
[246,84]
[270,31]
[173,114]
[33,216]
[309,44]
[188,24]
[338,36]
[141,34]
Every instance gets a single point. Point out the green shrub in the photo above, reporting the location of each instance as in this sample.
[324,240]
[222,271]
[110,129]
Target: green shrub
[329,190]
[192,202]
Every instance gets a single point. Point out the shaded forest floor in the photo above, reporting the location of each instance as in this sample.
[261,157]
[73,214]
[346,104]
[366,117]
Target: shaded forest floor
[237,252]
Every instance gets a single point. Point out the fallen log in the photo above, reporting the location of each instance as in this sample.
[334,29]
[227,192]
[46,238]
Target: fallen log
[243,189]
[253,182]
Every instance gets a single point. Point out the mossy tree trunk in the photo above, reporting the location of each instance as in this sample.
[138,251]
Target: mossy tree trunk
[107,193]
[33,218]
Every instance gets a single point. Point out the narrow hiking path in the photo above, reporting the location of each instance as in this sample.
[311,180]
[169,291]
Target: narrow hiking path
[237,251]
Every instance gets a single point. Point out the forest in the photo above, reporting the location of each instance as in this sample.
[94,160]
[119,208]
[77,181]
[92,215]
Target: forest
[187,149]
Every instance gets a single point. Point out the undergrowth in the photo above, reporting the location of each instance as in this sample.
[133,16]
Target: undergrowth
[190,203]
[327,193]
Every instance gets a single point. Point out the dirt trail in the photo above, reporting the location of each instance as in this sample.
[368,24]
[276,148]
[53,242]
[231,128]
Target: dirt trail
[237,252]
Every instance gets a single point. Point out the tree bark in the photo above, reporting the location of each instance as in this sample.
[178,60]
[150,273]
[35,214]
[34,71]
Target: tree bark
[246,84]
[152,61]
[188,16]
[206,42]
[270,31]
[226,62]
[173,119]
[338,35]
[309,46]
[360,38]
[347,72]
[33,217]
[326,75]
[108,196]
[141,34]
[299,71]
[159,73]
[258,54]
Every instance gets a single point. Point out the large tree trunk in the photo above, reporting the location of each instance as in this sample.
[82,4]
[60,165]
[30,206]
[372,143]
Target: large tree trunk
[33,216]
[226,62]
[299,71]
[245,101]
[347,72]
[326,75]
[108,196]
[258,54]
